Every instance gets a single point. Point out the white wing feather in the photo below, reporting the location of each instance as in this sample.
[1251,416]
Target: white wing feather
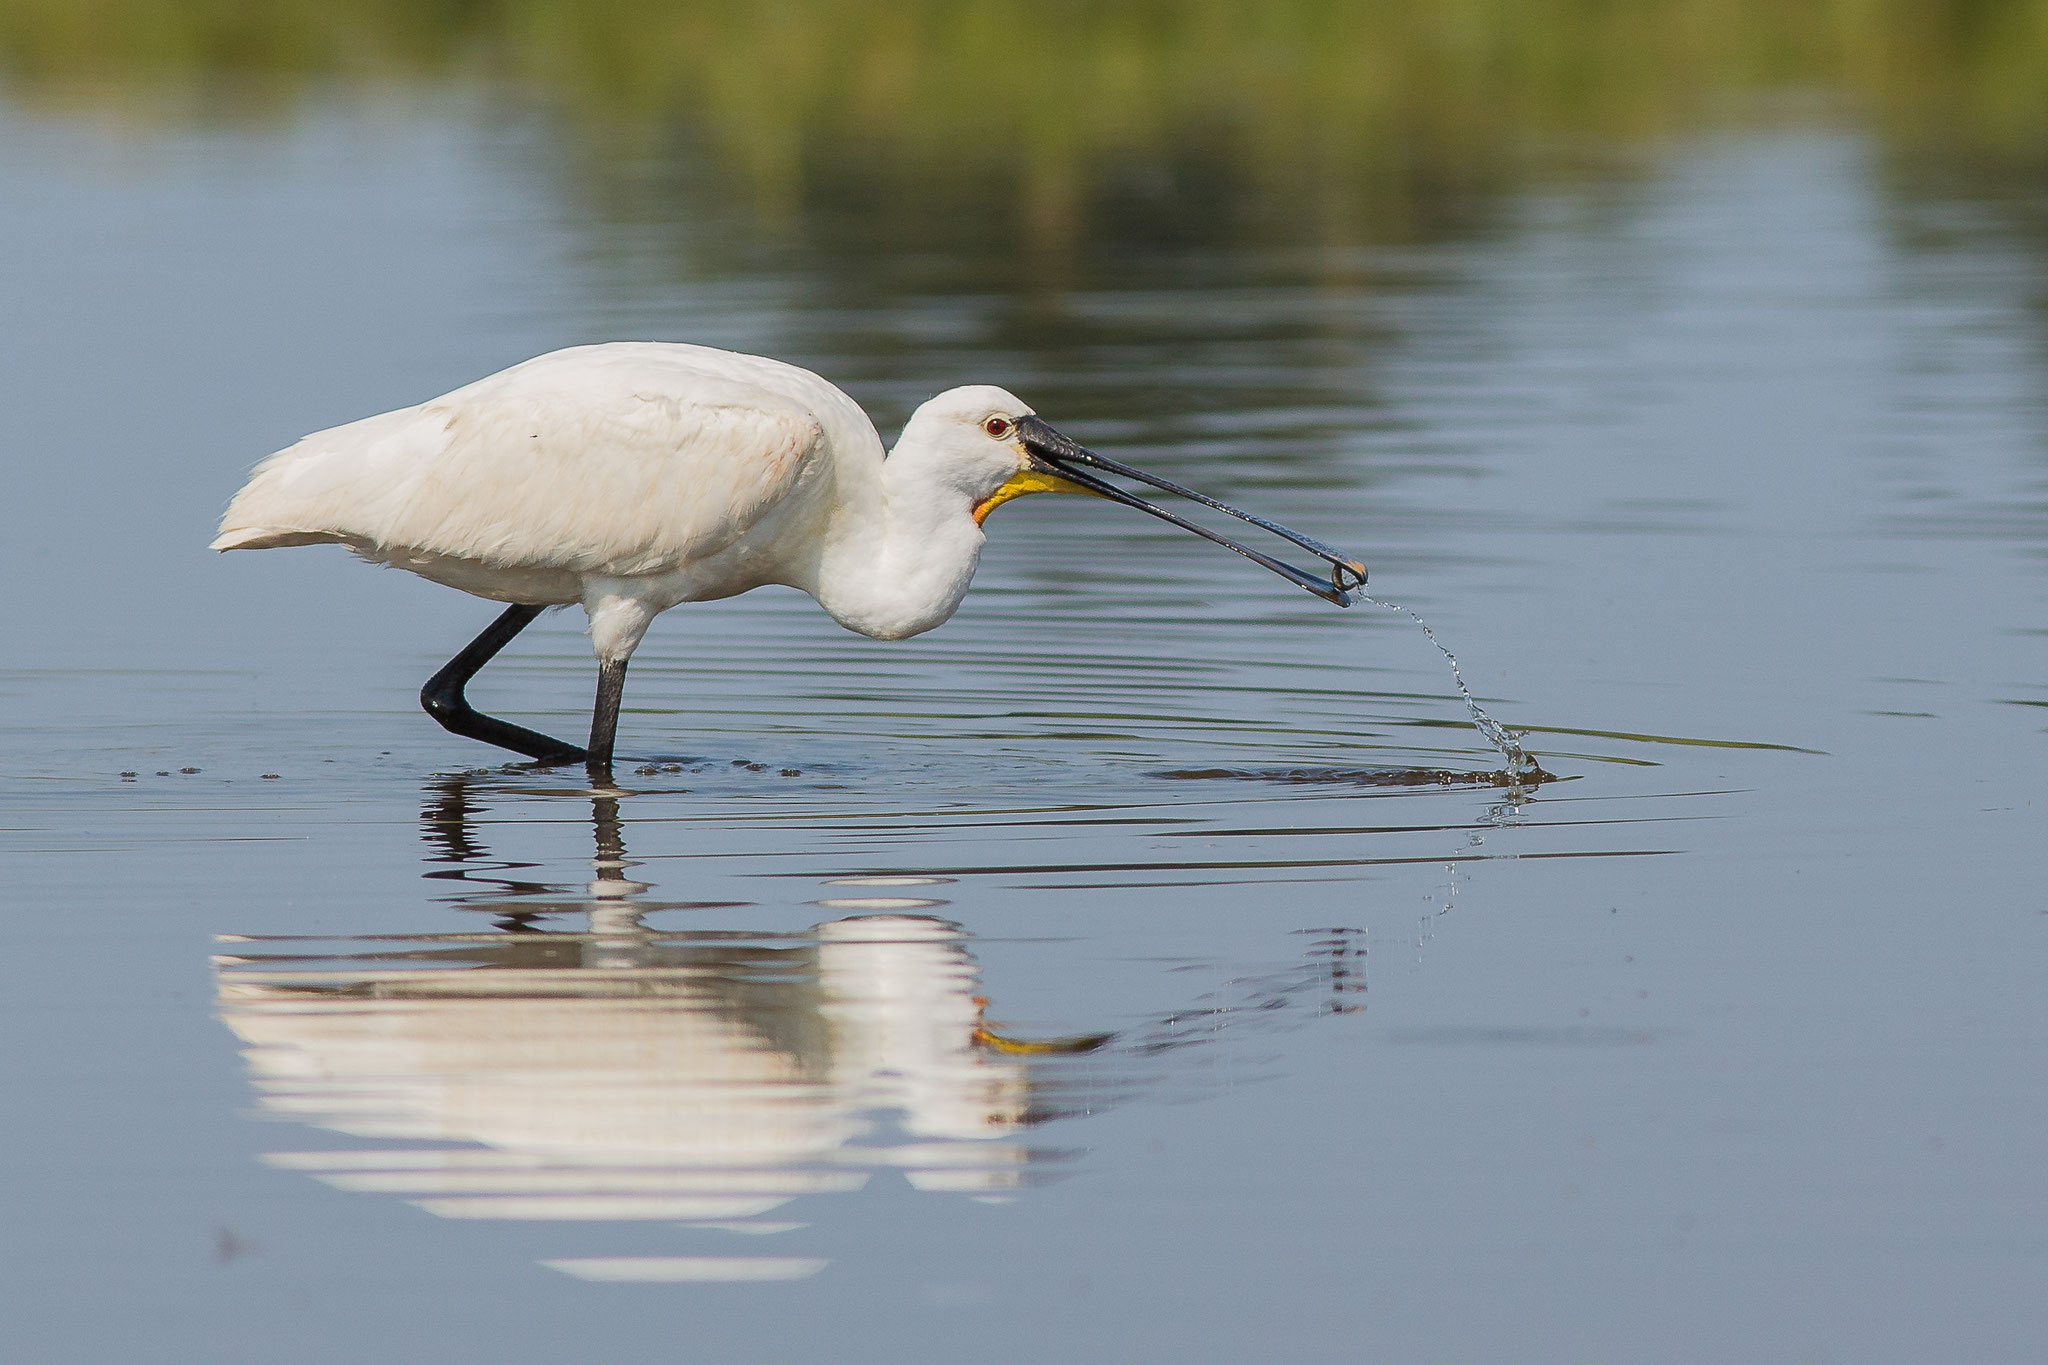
[617,460]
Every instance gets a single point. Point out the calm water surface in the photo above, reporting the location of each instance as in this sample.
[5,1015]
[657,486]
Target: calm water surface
[1087,978]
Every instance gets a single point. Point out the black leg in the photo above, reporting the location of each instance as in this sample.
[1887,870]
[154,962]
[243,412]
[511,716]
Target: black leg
[443,699]
[604,717]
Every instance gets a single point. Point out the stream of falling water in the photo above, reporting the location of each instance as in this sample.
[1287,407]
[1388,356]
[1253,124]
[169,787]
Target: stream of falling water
[1519,763]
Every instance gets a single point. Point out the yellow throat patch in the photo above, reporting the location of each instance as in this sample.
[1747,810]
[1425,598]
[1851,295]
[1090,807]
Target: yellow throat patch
[1020,483]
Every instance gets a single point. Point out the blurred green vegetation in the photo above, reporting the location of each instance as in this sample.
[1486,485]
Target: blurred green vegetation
[1338,121]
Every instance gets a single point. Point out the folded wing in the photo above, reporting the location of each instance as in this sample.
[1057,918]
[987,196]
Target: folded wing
[592,464]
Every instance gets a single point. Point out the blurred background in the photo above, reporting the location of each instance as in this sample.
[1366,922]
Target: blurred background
[1350,97]
[1029,143]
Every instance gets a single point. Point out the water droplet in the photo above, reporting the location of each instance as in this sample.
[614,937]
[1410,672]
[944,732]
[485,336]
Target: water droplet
[1519,764]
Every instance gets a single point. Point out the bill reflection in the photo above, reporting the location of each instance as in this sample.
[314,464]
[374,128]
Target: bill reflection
[618,1072]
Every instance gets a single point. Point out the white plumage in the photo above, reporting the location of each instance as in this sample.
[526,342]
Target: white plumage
[635,476]
[628,462]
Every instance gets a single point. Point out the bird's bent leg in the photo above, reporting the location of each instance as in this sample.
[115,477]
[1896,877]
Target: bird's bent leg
[604,718]
[442,696]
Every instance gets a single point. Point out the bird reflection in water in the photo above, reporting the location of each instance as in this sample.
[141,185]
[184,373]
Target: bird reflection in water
[701,1077]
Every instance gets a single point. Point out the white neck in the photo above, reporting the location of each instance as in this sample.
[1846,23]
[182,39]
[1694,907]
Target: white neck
[900,559]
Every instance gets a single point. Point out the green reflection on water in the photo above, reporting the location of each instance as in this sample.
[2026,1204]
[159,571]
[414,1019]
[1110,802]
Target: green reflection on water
[1298,120]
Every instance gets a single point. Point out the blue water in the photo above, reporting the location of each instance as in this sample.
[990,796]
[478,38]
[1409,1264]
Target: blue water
[1094,976]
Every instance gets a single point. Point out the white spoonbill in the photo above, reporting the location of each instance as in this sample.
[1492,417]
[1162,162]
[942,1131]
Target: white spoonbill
[633,476]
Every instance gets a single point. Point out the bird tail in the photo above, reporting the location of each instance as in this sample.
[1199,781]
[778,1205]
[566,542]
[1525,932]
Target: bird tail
[332,487]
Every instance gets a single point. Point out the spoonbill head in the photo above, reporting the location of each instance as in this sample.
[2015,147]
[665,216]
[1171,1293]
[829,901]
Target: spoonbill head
[635,476]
